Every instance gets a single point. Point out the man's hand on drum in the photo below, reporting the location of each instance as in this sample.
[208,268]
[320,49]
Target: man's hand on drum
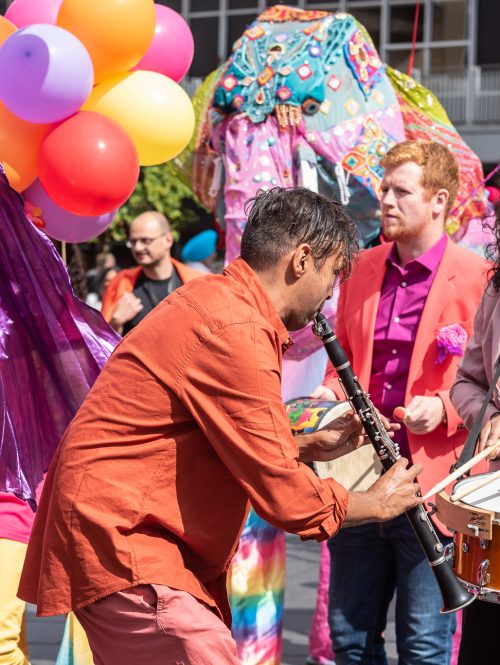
[342,435]
[490,436]
[322,392]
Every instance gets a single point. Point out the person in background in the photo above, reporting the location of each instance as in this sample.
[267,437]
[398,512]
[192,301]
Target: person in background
[479,642]
[136,291]
[103,261]
[200,251]
[401,318]
[101,283]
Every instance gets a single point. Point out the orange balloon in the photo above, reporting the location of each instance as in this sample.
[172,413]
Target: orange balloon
[7,28]
[116,33]
[19,146]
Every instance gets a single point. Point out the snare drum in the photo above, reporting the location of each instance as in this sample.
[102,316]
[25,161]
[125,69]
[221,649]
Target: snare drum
[358,469]
[475,521]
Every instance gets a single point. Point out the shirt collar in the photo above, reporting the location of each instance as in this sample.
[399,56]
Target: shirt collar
[241,271]
[429,260]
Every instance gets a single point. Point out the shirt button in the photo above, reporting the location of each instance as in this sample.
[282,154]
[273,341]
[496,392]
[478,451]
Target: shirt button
[394,352]
[388,386]
[404,284]
[396,319]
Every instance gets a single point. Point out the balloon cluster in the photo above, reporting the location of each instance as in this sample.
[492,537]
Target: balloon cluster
[89,93]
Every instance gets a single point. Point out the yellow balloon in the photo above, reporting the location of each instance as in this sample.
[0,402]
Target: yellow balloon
[116,33]
[154,110]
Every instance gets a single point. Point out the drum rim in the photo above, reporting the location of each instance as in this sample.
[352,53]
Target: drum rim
[482,593]
[465,481]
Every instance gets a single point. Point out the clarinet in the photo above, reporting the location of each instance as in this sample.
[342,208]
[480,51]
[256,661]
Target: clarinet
[455,597]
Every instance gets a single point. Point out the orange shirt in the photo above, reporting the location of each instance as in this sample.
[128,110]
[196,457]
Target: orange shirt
[184,425]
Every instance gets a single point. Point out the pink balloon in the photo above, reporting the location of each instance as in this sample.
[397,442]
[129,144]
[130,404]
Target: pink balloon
[59,223]
[171,51]
[26,12]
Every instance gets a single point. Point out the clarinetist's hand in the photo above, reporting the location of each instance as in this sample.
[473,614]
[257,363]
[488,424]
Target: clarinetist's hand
[393,493]
[341,436]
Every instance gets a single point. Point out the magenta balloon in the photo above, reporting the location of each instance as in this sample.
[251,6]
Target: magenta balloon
[46,73]
[27,12]
[61,224]
[171,51]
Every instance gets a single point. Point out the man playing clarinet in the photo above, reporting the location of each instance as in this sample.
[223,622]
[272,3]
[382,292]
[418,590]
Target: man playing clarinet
[402,319]
[150,487]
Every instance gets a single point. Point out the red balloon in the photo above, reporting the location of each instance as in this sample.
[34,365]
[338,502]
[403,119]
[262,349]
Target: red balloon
[88,164]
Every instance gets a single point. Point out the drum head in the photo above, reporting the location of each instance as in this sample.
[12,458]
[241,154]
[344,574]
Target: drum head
[487,497]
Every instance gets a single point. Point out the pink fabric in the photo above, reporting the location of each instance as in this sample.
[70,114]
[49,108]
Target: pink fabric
[157,625]
[402,299]
[455,647]
[320,644]
[256,157]
[16,518]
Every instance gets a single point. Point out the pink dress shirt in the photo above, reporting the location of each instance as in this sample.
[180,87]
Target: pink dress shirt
[402,300]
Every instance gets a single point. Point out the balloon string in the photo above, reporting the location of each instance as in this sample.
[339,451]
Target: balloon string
[414,38]
[483,182]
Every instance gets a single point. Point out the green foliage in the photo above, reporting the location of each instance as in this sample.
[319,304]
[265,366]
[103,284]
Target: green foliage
[158,188]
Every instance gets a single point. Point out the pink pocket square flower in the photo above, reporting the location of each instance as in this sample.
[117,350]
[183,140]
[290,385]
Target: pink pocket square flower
[451,340]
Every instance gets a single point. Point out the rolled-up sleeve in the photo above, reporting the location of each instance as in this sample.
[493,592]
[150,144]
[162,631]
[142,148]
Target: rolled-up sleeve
[232,386]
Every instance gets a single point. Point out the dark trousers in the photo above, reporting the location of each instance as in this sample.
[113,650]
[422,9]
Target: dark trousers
[480,634]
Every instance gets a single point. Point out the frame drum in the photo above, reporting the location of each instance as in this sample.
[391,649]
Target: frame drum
[357,470]
[477,542]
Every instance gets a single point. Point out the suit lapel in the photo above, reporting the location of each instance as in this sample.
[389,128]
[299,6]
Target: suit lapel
[440,293]
[373,278]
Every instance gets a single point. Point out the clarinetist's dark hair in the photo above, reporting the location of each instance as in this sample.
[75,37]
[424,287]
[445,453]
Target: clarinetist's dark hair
[280,219]
[493,248]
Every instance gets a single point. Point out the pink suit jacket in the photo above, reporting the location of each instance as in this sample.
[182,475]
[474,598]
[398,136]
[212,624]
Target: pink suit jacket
[453,298]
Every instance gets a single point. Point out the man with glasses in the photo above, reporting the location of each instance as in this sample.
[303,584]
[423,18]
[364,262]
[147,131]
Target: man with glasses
[135,292]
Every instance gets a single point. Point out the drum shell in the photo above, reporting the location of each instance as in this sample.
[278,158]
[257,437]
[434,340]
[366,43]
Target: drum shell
[476,556]
[470,552]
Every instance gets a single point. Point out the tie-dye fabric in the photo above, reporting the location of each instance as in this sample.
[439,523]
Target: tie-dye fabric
[256,587]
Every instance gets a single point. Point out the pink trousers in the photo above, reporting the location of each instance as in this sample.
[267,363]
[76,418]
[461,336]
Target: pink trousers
[157,625]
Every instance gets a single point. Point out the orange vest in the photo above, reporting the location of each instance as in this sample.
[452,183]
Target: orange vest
[125,281]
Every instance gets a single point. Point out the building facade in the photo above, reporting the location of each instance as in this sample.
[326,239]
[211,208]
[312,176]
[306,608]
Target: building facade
[457,50]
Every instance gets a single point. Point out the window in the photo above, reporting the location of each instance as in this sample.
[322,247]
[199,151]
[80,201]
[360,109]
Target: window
[205,32]
[173,4]
[402,19]
[448,59]
[449,20]
[488,43]
[400,59]
[204,5]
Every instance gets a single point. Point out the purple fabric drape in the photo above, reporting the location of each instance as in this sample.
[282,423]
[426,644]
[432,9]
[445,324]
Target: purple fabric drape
[52,348]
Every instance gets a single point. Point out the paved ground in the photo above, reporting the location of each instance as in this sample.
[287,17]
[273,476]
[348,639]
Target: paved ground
[302,569]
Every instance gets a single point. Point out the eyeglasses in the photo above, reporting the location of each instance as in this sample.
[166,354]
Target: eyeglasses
[144,241]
